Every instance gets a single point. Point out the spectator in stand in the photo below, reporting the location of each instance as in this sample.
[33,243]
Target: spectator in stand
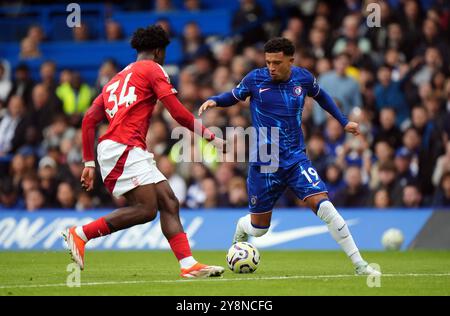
[237,192]
[247,22]
[333,180]
[9,197]
[22,84]
[343,88]
[5,83]
[381,199]
[47,173]
[193,42]
[81,33]
[65,196]
[442,195]
[390,93]
[107,71]
[334,137]
[209,187]
[317,153]
[412,198]
[411,21]
[350,33]
[13,126]
[442,166]
[354,193]
[163,5]
[388,131]
[44,108]
[76,97]
[29,49]
[176,182]
[47,73]
[30,181]
[405,175]
[195,197]
[433,63]
[192,5]
[384,153]
[34,200]
[113,31]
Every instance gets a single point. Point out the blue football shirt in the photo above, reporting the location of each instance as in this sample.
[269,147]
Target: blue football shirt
[278,105]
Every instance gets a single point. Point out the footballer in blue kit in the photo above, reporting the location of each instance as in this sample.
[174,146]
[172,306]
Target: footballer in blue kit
[277,96]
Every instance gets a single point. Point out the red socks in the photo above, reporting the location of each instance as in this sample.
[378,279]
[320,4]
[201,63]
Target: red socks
[179,243]
[96,229]
[180,246]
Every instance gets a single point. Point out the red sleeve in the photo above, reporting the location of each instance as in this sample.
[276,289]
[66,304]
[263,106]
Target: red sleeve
[184,117]
[94,115]
[161,82]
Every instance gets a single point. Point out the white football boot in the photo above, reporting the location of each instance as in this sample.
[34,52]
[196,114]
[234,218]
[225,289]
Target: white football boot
[363,268]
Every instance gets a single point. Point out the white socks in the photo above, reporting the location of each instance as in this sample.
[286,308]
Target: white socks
[339,230]
[336,225]
[245,224]
[187,262]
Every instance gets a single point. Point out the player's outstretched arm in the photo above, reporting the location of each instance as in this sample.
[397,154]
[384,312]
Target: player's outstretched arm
[94,115]
[184,117]
[222,100]
[327,103]
[206,105]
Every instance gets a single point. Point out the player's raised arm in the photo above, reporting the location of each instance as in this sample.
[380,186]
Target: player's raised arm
[184,117]
[327,103]
[240,93]
[221,100]
[94,115]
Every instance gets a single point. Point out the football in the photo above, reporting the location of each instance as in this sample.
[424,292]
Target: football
[392,239]
[243,257]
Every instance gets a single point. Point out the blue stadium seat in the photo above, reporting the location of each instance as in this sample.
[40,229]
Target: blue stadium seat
[85,57]
[211,22]
[52,18]
[227,5]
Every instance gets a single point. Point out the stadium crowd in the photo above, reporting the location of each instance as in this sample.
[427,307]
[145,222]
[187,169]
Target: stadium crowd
[394,80]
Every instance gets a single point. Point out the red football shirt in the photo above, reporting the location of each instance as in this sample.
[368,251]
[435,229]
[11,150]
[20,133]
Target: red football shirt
[129,99]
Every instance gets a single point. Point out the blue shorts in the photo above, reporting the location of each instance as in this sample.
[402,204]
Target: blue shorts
[264,189]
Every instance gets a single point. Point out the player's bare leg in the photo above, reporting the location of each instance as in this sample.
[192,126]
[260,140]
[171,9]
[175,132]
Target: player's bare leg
[254,224]
[143,209]
[172,229]
[340,232]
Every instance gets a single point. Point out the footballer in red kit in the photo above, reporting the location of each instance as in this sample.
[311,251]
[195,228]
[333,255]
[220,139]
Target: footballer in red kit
[127,168]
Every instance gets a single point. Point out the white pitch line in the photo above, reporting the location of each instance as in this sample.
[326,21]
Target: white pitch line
[292,277]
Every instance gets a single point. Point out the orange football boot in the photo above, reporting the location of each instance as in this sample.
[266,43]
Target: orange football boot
[76,246]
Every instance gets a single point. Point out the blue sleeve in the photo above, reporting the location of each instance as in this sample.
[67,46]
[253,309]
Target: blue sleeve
[327,103]
[240,93]
[311,85]
[225,99]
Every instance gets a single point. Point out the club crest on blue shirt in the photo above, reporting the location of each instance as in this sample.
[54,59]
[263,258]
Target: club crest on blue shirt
[297,91]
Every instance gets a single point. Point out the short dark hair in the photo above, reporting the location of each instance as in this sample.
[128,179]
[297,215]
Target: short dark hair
[280,44]
[150,38]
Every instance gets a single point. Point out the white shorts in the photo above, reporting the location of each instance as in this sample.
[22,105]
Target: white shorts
[124,168]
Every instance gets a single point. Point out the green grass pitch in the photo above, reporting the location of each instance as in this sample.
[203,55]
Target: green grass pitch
[279,273]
